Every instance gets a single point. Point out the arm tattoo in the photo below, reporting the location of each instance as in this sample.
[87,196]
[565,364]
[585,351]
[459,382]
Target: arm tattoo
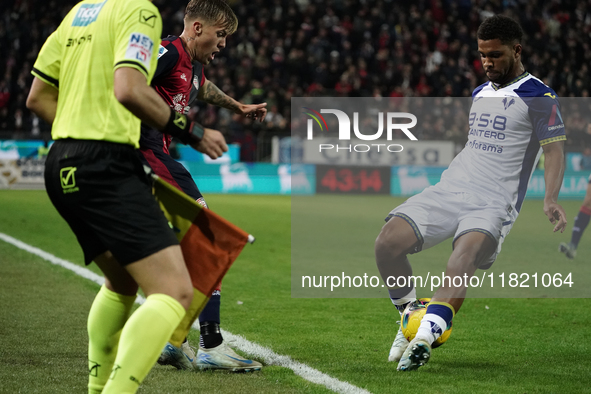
[213,95]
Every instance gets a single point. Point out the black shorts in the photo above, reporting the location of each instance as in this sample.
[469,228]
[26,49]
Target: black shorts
[172,172]
[101,190]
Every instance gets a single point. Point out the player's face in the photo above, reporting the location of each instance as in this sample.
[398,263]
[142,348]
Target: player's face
[499,61]
[211,40]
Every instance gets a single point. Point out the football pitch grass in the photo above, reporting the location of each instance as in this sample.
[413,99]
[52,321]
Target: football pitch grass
[498,345]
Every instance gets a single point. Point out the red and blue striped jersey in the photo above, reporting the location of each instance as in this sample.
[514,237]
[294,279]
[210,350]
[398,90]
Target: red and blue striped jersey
[174,80]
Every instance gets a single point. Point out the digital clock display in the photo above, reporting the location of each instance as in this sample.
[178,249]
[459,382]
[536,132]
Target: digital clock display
[352,179]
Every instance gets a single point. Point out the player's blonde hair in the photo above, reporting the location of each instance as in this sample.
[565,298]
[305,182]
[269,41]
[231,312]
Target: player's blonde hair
[216,12]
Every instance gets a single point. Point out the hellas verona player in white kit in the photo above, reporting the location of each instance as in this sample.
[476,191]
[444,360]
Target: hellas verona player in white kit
[512,118]
[508,126]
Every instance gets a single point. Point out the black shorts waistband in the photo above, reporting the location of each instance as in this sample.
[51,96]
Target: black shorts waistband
[94,143]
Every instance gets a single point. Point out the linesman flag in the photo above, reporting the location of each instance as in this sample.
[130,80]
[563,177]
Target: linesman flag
[210,244]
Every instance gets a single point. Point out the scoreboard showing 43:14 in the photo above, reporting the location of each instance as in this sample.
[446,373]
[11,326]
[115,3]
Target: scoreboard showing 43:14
[352,179]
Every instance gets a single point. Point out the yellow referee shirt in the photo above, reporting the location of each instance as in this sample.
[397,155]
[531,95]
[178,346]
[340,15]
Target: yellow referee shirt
[80,58]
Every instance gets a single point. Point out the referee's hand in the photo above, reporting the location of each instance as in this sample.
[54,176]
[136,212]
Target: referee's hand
[213,144]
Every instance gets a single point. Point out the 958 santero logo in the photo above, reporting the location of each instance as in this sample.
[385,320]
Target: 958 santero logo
[345,126]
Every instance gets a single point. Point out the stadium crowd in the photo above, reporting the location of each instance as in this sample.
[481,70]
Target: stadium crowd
[347,48]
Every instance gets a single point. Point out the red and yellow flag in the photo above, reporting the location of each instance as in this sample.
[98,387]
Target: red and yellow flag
[210,244]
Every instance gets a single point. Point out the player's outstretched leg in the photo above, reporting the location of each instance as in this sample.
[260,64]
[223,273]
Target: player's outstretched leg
[470,251]
[436,319]
[396,239]
[581,223]
[400,342]
[569,250]
[214,352]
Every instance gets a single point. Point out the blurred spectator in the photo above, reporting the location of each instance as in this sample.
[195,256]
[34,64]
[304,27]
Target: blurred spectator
[586,159]
[274,119]
[4,94]
[286,48]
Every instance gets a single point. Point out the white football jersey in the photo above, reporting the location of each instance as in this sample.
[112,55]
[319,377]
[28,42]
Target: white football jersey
[508,125]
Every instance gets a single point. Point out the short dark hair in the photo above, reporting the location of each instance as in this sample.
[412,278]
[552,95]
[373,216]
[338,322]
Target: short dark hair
[216,12]
[500,27]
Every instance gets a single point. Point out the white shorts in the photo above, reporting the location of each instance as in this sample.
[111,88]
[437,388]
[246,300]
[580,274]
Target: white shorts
[436,215]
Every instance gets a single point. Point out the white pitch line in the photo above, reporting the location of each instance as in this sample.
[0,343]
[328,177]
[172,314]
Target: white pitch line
[305,371]
[266,354]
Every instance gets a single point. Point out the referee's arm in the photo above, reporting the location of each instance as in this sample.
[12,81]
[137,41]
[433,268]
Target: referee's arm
[134,93]
[42,100]
[131,90]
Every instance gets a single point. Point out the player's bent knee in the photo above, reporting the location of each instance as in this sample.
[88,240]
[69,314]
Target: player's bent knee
[384,244]
[462,264]
[467,260]
[384,247]
[393,241]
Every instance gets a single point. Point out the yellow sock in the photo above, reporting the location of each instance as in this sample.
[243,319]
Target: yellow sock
[106,319]
[143,337]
